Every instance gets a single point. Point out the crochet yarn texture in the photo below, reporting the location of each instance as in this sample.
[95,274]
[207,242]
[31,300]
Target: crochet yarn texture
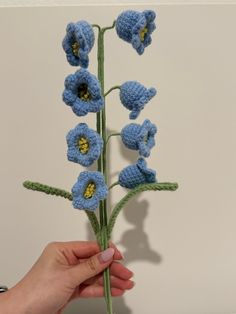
[139,137]
[136,28]
[134,96]
[84,145]
[136,174]
[83,93]
[89,189]
[78,42]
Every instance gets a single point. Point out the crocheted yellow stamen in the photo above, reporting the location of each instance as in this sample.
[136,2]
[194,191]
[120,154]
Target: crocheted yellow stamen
[83,145]
[142,33]
[83,92]
[90,190]
[75,48]
[145,139]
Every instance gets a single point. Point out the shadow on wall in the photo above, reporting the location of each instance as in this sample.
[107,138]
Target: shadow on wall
[136,247]
[135,240]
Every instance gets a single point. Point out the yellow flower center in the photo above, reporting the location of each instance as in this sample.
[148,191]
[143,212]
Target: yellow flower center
[142,33]
[83,92]
[83,145]
[145,139]
[75,48]
[90,190]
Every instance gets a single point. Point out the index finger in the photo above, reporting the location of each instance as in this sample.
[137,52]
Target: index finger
[85,249]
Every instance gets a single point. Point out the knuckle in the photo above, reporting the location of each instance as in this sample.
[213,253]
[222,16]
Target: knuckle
[91,265]
[51,245]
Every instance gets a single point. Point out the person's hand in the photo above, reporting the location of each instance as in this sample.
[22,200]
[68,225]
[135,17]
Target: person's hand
[64,271]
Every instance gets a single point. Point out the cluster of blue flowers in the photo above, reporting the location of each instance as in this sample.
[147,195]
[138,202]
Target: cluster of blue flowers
[83,94]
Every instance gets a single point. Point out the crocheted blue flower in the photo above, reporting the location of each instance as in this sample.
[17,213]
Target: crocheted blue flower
[134,97]
[83,93]
[78,42]
[89,189]
[139,137]
[84,145]
[136,174]
[136,28]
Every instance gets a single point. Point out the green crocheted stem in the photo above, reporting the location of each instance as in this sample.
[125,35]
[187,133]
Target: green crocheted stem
[109,27]
[93,221]
[97,26]
[102,167]
[165,186]
[110,135]
[36,186]
[111,89]
[113,184]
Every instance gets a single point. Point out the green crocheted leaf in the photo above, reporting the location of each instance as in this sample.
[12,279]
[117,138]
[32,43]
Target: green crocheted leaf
[36,186]
[165,186]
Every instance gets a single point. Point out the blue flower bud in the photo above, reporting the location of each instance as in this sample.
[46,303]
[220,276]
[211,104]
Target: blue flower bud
[136,174]
[136,28]
[134,96]
[139,137]
[78,42]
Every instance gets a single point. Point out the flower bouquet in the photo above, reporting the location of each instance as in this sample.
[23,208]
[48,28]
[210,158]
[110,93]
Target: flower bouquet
[85,93]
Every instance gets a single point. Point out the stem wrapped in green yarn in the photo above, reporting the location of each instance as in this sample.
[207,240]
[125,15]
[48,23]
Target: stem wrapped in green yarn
[165,186]
[36,186]
[102,167]
[110,135]
[111,89]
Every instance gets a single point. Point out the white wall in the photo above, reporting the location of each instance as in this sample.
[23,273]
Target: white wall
[35,3]
[187,264]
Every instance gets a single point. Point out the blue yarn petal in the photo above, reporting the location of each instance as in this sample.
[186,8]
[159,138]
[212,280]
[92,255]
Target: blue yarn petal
[139,137]
[68,97]
[130,24]
[95,144]
[136,174]
[71,93]
[101,191]
[149,174]
[82,34]
[149,15]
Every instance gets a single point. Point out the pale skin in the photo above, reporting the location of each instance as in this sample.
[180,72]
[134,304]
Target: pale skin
[66,271]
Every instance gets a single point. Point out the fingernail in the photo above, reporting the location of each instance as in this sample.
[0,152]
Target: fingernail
[132,284]
[106,255]
[121,255]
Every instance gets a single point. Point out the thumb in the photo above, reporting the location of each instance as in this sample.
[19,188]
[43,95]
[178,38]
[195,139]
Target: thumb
[92,266]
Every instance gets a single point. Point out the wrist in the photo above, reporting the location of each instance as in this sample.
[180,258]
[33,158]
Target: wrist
[6,302]
[13,301]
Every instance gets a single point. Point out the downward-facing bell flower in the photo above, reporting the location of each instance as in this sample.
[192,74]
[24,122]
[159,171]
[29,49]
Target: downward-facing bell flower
[83,93]
[84,145]
[136,174]
[134,96]
[89,189]
[78,42]
[136,28]
[139,137]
